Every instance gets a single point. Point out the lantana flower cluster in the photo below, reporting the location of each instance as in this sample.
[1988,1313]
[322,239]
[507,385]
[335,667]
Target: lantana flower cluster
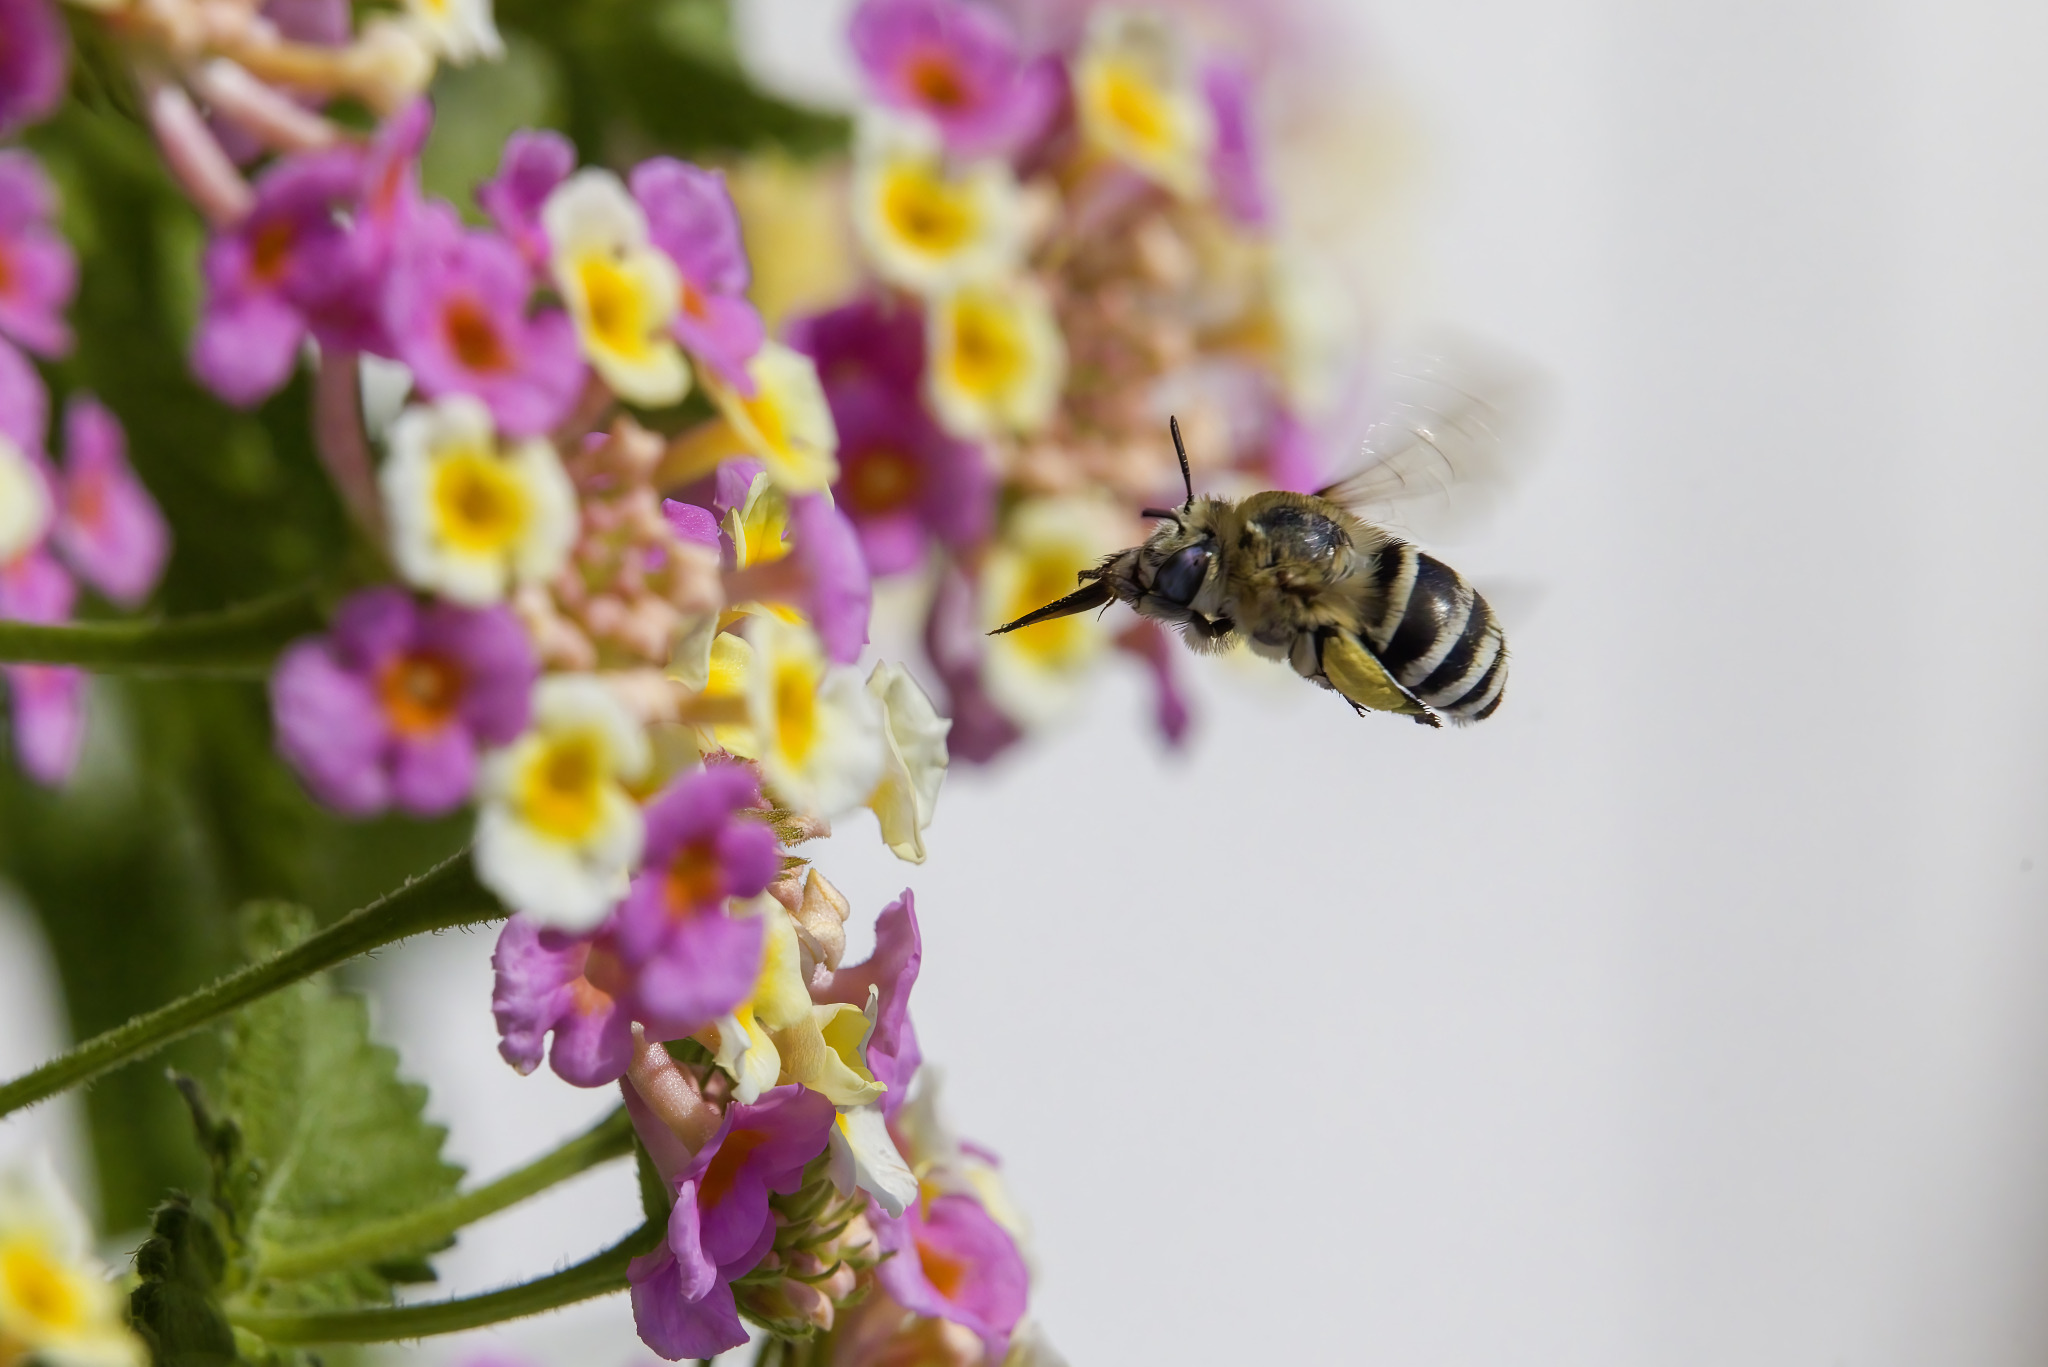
[637,657]
[1063,247]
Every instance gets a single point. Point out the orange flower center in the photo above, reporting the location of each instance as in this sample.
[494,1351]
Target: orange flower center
[936,82]
[604,977]
[474,338]
[880,481]
[725,1166]
[271,250]
[420,691]
[694,304]
[693,879]
[944,1271]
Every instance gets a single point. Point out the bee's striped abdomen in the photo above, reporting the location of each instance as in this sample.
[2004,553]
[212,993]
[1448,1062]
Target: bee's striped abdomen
[1436,635]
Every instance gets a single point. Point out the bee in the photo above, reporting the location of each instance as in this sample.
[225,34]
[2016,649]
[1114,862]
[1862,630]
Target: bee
[1303,578]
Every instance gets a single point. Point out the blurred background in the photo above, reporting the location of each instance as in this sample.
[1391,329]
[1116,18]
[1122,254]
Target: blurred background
[1693,1010]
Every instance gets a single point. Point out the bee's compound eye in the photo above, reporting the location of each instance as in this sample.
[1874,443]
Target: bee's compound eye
[1180,578]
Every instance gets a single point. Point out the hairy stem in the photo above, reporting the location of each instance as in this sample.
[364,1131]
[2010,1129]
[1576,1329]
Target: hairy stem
[240,641]
[445,897]
[599,1275]
[425,1228]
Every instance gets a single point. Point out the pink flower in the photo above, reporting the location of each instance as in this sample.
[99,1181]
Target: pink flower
[691,218]
[24,403]
[455,309]
[957,64]
[686,961]
[392,706]
[48,700]
[37,270]
[954,1262]
[108,528]
[291,265]
[721,1225]
[547,983]
[32,62]
[954,644]
[532,165]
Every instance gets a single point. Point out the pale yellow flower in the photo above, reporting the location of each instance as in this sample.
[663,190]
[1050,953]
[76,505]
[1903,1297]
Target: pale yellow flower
[470,517]
[787,424]
[915,760]
[25,507]
[459,30]
[1137,100]
[557,830]
[621,290]
[997,360]
[56,1304]
[928,227]
[1035,673]
[816,731]
[778,1036]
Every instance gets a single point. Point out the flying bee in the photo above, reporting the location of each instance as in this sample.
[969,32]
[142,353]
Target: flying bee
[1303,578]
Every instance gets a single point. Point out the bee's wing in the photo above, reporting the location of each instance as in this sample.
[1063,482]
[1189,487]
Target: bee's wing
[1453,439]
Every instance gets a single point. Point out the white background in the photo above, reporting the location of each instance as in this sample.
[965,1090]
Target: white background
[1695,1009]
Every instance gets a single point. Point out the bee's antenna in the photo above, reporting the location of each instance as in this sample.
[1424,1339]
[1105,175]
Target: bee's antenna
[1182,451]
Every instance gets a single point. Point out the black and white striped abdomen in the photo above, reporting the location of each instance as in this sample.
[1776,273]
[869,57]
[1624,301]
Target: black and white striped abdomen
[1436,635]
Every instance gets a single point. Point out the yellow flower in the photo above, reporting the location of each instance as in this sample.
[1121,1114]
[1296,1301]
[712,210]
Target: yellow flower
[25,506]
[777,1036]
[928,228]
[997,359]
[1138,102]
[816,731]
[1034,673]
[622,292]
[786,424]
[56,1304]
[915,760]
[557,830]
[470,518]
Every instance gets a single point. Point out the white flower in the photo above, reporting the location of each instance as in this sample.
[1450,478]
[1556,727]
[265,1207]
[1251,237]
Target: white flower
[997,358]
[460,30]
[914,765]
[56,1304]
[1137,100]
[621,291]
[746,1052]
[927,228]
[470,518]
[25,506]
[817,732]
[864,1156]
[558,831]
[1034,674]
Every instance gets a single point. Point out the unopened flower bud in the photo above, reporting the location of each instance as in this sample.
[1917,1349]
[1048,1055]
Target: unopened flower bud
[821,922]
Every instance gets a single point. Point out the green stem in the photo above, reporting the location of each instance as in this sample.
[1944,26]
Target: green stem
[427,1227]
[445,897]
[595,1276]
[240,641]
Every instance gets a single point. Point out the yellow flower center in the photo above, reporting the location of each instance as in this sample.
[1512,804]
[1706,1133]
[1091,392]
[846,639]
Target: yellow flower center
[39,1293]
[1048,573]
[987,355]
[1136,106]
[925,212]
[480,505]
[617,315]
[796,709]
[765,413]
[561,792]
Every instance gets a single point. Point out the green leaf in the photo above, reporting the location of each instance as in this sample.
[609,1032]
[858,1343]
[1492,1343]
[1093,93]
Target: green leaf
[331,1138]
